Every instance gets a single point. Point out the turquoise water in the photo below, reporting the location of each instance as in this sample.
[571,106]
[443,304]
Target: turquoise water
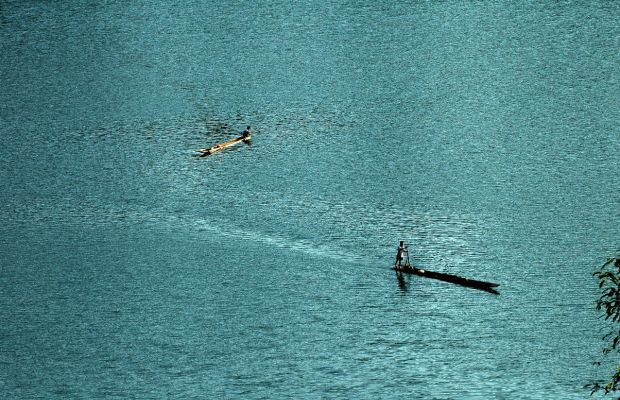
[483,134]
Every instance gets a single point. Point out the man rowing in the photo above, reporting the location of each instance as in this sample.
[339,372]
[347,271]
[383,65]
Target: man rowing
[247,132]
[400,255]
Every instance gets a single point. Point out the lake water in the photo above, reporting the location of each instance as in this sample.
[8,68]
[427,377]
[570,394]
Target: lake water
[485,134]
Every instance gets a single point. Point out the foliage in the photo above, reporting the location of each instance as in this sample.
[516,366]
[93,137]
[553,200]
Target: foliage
[608,305]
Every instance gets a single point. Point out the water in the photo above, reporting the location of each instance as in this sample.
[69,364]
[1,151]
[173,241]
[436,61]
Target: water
[484,135]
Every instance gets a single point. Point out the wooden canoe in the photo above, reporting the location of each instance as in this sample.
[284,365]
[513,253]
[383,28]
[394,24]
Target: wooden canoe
[219,147]
[486,286]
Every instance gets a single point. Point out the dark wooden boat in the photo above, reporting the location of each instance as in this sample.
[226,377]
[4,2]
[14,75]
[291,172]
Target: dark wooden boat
[219,147]
[486,286]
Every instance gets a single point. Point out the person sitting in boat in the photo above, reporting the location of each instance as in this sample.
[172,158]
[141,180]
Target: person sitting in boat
[247,132]
[402,250]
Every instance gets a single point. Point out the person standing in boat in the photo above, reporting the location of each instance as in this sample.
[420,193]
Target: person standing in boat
[402,250]
[247,132]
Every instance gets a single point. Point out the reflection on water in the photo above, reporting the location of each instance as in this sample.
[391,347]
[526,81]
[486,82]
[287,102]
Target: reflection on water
[404,282]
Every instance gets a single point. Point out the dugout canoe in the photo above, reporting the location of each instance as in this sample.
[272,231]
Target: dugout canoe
[219,147]
[473,283]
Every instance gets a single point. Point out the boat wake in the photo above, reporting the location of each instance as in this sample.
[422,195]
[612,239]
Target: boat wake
[278,241]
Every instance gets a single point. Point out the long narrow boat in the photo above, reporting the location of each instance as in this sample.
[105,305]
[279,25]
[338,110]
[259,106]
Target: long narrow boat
[219,147]
[486,286]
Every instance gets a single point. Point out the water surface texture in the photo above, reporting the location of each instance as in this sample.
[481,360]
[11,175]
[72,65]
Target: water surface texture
[485,134]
